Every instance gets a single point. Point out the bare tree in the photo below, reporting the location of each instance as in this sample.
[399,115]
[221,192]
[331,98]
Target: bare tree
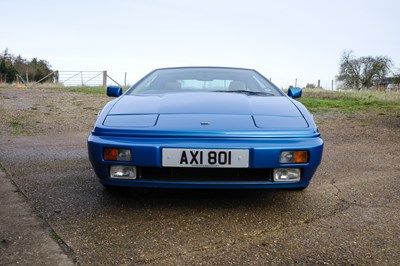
[363,72]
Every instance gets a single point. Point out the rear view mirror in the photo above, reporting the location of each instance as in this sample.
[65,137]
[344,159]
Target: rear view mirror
[295,92]
[114,91]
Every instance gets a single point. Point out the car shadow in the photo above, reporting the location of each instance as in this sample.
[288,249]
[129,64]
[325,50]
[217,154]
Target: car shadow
[207,198]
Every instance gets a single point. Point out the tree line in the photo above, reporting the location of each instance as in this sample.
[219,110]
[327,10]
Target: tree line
[14,68]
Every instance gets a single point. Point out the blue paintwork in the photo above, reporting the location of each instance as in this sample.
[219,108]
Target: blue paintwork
[114,91]
[147,123]
[295,92]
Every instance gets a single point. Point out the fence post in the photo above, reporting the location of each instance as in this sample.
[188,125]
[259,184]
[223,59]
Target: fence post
[56,80]
[105,78]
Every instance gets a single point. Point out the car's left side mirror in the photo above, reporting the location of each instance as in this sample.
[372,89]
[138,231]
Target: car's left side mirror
[295,92]
[114,91]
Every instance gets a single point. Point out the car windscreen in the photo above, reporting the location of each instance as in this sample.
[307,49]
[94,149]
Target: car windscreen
[164,81]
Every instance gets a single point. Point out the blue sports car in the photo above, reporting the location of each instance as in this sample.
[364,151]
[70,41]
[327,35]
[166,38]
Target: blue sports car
[205,127]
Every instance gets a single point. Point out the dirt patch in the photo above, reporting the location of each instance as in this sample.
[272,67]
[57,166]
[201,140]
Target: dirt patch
[47,112]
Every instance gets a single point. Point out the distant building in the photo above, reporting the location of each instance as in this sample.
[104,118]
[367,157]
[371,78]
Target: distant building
[389,83]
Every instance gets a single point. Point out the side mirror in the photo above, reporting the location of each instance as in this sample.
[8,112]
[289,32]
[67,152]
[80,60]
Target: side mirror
[295,92]
[114,91]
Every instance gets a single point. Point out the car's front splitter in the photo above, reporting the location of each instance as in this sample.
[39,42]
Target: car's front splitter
[203,185]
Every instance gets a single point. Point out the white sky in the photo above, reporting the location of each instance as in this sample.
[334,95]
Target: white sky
[284,40]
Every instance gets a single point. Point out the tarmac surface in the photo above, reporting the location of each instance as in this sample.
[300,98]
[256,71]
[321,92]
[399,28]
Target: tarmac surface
[54,211]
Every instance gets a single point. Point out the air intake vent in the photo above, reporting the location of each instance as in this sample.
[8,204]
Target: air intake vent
[204,174]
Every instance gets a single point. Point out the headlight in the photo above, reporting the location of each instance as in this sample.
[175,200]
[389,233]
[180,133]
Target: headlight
[114,154]
[293,157]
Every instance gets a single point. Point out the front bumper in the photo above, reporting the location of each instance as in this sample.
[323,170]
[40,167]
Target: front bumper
[147,153]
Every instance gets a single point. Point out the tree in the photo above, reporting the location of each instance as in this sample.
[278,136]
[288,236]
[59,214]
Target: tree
[11,66]
[362,72]
[7,69]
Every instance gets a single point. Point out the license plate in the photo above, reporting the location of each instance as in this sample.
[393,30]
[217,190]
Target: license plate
[205,158]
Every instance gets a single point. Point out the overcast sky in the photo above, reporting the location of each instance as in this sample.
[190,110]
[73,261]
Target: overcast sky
[284,40]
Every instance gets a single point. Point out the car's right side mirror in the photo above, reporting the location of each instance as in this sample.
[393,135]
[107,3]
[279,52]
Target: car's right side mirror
[114,91]
[295,92]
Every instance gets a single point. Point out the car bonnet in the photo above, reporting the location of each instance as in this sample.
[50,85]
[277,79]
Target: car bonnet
[205,111]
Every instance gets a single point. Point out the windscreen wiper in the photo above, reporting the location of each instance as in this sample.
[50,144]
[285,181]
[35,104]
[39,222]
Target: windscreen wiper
[257,93]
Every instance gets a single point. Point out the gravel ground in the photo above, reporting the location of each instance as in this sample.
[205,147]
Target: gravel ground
[348,216]
[47,112]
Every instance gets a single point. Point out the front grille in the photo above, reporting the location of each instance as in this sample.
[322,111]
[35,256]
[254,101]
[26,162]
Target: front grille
[204,174]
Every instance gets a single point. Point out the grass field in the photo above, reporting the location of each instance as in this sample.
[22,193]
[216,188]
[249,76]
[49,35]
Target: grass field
[350,101]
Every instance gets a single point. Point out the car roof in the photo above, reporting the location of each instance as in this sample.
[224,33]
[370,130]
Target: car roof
[201,67]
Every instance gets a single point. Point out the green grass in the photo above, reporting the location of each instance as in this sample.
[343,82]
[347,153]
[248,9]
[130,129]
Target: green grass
[80,89]
[88,90]
[16,126]
[55,236]
[351,101]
